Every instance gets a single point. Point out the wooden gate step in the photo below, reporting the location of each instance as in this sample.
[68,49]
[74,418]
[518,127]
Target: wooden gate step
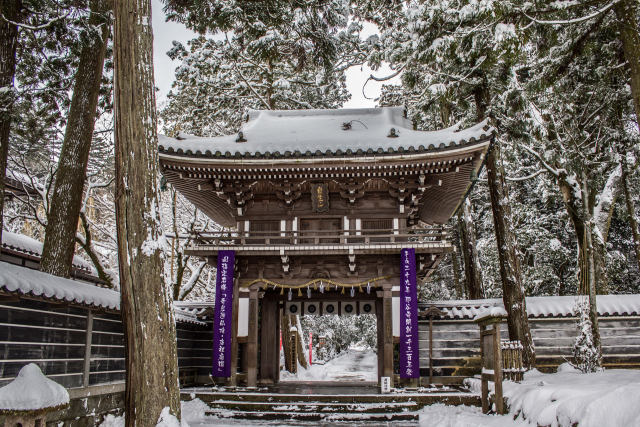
[315,416]
[310,407]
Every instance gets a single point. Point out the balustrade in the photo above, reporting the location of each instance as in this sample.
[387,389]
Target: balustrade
[320,237]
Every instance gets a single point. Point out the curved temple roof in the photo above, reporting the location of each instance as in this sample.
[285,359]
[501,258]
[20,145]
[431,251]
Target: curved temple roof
[341,132]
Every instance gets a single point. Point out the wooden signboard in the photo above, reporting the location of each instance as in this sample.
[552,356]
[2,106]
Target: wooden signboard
[320,197]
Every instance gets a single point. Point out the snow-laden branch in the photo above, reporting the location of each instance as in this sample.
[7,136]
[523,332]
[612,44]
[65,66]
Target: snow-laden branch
[36,27]
[525,178]
[547,166]
[385,78]
[195,275]
[576,20]
[604,208]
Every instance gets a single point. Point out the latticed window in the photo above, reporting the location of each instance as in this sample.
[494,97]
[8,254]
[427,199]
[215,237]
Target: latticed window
[264,226]
[376,224]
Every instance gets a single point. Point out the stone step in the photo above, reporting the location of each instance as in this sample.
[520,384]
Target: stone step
[315,416]
[322,407]
[448,398]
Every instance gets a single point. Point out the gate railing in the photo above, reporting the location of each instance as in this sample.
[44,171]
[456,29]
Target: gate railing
[320,237]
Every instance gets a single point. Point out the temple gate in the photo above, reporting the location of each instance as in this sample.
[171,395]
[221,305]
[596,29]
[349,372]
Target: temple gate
[318,206]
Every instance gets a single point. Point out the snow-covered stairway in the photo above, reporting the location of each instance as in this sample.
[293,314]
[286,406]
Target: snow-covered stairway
[398,408]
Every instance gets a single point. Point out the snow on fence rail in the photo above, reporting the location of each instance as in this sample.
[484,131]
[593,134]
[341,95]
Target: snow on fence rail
[456,351]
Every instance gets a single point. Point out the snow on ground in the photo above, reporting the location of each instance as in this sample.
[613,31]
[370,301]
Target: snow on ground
[440,415]
[609,398]
[356,364]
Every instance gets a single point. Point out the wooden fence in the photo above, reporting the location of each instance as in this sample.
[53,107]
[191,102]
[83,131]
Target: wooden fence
[456,351]
[55,337]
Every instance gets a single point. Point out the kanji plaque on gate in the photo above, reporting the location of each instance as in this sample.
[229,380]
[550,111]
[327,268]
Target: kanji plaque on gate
[320,197]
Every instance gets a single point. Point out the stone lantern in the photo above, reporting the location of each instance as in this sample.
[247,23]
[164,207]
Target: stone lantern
[26,400]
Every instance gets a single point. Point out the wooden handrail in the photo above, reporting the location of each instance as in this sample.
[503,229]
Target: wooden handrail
[321,237]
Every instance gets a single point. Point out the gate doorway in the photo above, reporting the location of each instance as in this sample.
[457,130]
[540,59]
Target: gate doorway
[364,362]
[335,348]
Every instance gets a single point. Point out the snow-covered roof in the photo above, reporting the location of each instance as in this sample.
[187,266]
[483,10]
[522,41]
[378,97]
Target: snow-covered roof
[30,246]
[494,311]
[32,391]
[25,281]
[338,132]
[553,306]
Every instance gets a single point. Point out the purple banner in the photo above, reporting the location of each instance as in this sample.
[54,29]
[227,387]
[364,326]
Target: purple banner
[409,353]
[223,315]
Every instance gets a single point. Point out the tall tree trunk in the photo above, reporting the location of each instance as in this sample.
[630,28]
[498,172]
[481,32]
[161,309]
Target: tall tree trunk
[627,15]
[472,273]
[66,201]
[513,294]
[457,282]
[11,10]
[633,222]
[589,266]
[147,313]
[580,215]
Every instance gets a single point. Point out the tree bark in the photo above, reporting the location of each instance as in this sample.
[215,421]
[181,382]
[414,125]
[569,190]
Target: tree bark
[87,245]
[11,10]
[66,201]
[513,294]
[633,222]
[147,313]
[472,273]
[588,269]
[627,15]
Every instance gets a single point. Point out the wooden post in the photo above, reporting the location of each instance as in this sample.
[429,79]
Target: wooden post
[380,337]
[270,339]
[294,350]
[252,342]
[497,370]
[491,353]
[233,380]
[387,316]
[87,350]
[431,312]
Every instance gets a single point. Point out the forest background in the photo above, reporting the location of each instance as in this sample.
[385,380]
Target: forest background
[559,80]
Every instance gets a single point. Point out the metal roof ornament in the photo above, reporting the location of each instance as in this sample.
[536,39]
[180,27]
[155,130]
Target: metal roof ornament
[393,133]
[241,137]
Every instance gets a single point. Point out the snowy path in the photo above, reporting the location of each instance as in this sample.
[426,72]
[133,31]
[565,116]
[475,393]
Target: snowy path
[356,365]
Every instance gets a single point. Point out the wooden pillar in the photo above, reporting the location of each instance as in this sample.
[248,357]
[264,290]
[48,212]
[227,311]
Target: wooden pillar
[270,339]
[87,350]
[387,315]
[233,380]
[252,342]
[380,337]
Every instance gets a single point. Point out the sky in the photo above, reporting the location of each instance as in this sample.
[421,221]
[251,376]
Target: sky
[165,33]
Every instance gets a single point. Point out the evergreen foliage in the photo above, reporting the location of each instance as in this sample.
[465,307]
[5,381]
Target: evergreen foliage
[263,55]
